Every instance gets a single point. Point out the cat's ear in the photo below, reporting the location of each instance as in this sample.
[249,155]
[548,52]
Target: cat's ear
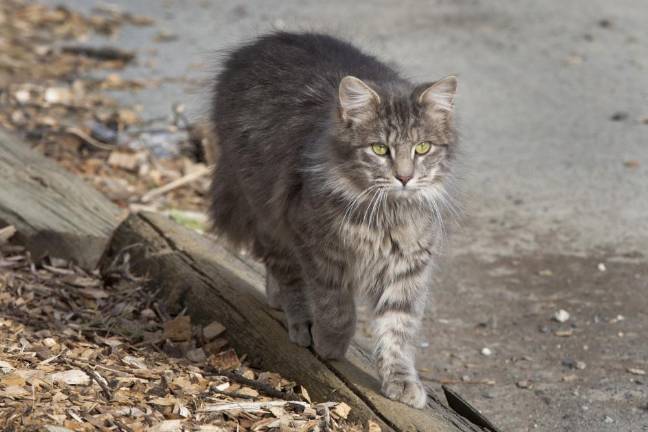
[358,102]
[438,98]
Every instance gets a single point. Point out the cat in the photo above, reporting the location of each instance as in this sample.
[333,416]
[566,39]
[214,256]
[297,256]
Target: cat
[333,170]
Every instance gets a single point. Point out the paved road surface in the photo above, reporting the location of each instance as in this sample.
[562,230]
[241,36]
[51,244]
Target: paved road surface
[548,193]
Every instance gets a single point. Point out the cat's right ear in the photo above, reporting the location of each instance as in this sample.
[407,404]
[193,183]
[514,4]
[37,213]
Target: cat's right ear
[358,102]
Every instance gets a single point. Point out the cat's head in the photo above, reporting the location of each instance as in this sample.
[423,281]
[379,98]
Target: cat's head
[396,137]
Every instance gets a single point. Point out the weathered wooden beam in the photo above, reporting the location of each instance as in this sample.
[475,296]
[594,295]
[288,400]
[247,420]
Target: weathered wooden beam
[56,213]
[201,274]
[53,211]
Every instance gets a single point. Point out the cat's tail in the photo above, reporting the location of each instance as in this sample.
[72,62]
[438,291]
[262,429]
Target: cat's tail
[230,214]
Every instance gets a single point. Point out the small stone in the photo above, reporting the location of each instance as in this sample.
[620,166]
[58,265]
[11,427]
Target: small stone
[580,365]
[524,384]
[619,116]
[601,267]
[486,352]
[633,163]
[608,420]
[605,23]
[569,363]
[636,371]
[561,316]
[424,344]
[488,395]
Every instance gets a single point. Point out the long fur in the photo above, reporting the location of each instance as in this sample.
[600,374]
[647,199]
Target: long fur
[297,183]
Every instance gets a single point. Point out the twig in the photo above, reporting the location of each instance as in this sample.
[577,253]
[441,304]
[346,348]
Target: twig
[95,376]
[261,387]
[175,184]
[100,53]
[248,406]
[88,139]
[121,425]
[232,394]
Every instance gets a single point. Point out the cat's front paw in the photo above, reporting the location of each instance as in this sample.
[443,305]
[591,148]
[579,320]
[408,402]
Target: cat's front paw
[410,391]
[299,333]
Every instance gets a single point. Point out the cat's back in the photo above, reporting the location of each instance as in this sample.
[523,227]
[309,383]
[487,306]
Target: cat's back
[292,71]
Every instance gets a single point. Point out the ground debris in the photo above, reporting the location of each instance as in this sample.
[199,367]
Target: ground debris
[67,112]
[80,362]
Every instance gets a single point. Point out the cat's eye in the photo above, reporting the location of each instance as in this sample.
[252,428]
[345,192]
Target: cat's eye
[380,149]
[422,148]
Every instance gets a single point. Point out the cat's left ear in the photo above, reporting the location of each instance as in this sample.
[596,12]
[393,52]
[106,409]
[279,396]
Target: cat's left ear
[438,98]
[358,101]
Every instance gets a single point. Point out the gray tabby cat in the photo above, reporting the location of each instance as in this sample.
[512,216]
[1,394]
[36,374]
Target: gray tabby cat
[332,170]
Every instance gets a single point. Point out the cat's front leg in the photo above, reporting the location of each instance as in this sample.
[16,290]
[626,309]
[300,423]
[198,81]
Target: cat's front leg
[334,313]
[398,312]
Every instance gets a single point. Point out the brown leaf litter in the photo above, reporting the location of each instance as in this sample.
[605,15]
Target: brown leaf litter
[66,111]
[78,353]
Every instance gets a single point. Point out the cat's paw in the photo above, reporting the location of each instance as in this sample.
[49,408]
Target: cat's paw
[299,333]
[327,347]
[410,391]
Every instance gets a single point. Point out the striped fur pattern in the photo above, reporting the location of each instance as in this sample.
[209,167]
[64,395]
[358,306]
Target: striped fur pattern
[298,182]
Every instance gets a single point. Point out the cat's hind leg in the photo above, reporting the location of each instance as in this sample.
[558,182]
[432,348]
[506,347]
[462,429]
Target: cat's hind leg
[285,288]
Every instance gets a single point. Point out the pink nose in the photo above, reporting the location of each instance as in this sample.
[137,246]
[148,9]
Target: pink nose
[403,178]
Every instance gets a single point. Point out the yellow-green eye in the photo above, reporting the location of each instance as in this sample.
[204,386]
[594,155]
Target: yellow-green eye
[422,148]
[379,149]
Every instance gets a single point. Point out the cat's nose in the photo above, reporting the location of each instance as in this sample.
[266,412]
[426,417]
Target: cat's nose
[404,178]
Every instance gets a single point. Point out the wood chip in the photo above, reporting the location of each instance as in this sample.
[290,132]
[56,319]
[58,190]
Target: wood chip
[6,233]
[70,377]
[225,361]
[341,410]
[213,330]
[178,329]
[372,426]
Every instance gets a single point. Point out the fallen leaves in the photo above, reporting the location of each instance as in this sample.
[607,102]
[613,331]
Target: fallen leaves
[78,354]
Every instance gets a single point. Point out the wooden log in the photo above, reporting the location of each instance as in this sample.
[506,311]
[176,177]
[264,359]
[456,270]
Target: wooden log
[195,272]
[54,212]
